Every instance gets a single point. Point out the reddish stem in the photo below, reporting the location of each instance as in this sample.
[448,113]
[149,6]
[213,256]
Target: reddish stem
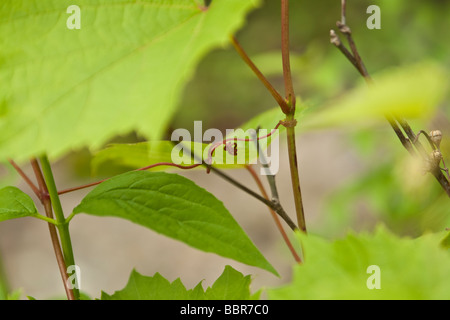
[26,179]
[288,85]
[281,102]
[140,169]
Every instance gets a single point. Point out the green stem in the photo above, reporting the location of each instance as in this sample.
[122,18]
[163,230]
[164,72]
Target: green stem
[63,227]
[44,218]
[70,217]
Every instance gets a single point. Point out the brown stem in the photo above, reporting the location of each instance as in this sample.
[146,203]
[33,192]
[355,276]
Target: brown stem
[274,215]
[46,202]
[288,85]
[348,33]
[295,179]
[26,179]
[290,129]
[281,102]
[334,39]
[405,141]
[343,11]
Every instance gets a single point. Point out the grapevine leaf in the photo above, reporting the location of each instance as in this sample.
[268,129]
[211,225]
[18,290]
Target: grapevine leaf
[123,70]
[231,285]
[176,207]
[14,203]
[408,268]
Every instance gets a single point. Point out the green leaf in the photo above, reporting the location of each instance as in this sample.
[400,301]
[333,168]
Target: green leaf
[140,287]
[123,70]
[142,154]
[411,91]
[231,285]
[176,207]
[15,204]
[409,268]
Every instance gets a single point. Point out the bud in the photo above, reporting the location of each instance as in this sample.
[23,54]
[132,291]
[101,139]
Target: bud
[436,156]
[436,137]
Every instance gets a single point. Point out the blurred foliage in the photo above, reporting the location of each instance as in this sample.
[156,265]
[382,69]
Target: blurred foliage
[407,269]
[231,285]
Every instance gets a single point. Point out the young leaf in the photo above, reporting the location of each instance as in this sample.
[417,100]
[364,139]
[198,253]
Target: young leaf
[402,268]
[123,70]
[176,207]
[231,285]
[15,204]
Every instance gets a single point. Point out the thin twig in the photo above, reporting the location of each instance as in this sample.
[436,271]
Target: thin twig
[334,39]
[279,99]
[405,141]
[287,76]
[274,206]
[274,215]
[270,178]
[345,29]
[140,169]
[26,179]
